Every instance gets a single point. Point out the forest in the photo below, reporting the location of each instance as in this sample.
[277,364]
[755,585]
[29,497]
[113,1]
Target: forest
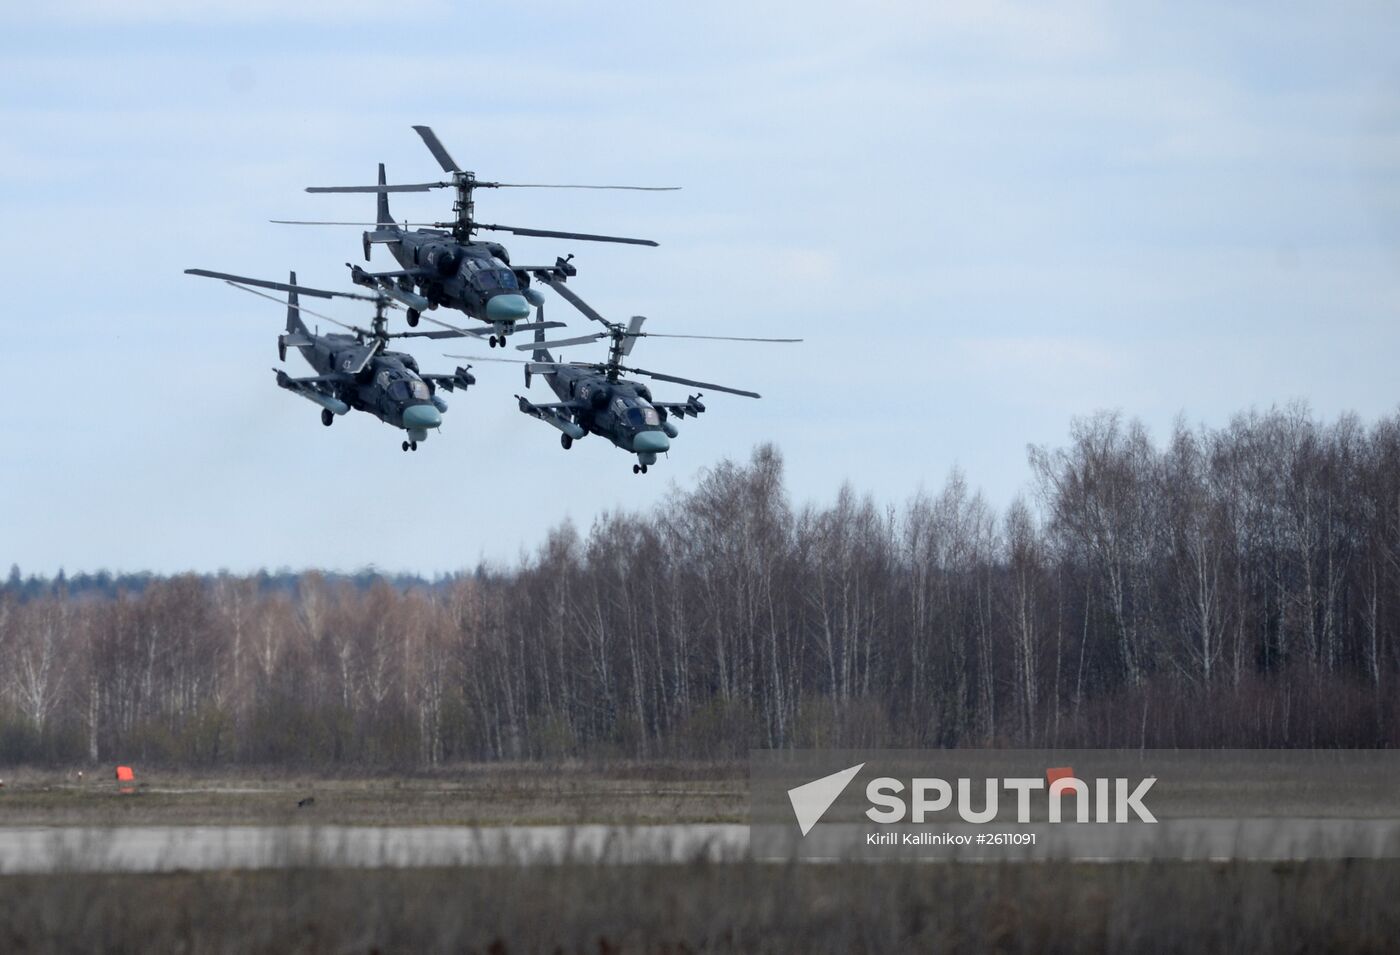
[1234,586]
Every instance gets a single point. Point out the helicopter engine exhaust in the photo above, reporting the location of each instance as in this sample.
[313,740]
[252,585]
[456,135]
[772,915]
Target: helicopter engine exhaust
[443,258]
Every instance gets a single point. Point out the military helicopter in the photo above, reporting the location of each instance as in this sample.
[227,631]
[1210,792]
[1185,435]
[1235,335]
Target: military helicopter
[442,264]
[595,399]
[356,371]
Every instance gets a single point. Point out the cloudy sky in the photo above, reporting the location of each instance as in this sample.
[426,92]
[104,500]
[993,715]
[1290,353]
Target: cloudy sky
[985,218]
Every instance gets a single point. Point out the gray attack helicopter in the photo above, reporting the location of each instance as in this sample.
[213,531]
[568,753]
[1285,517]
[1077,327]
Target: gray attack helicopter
[356,371]
[595,399]
[443,264]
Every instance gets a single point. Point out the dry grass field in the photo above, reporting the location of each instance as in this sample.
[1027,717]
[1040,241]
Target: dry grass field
[744,907]
[481,795]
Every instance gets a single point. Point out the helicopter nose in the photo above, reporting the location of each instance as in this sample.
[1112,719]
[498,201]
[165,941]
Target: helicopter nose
[507,308]
[419,417]
[651,441]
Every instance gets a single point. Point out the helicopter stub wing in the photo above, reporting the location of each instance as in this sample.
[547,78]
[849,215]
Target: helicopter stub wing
[692,407]
[550,270]
[380,282]
[397,274]
[313,389]
[286,380]
[461,378]
[557,414]
[553,406]
[563,268]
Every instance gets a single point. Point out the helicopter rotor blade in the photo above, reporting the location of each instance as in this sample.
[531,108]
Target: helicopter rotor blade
[300,308]
[445,333]
[404,187]
[569,296]
[512,361]
[690,381]
[531,326]
[436,148]
[557,185]
[484,332]
[562,342]
[465,332]
[634,332]
[281,286]
[633,335]
[718,338]
[526,361]
[551,234]
[361,224]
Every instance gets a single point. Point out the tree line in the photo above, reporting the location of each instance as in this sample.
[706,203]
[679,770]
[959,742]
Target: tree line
[1235,586]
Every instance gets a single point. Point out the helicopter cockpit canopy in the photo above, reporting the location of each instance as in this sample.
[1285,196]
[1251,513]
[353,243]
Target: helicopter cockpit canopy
[636,412]
[403,387]
[490,275]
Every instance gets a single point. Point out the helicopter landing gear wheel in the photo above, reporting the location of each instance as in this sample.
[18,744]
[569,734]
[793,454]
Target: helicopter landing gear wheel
[413,317]
[327,418]
[566,441]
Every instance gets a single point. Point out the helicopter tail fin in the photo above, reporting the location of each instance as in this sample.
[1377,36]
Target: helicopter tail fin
[294,322]
[384,218]
[386,230]
[540,353]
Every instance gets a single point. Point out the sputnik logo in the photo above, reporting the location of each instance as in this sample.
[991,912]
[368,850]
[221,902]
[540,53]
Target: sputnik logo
[926,796]
[810,801]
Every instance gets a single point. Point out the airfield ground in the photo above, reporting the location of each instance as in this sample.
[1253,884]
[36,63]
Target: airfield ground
[577,906]
[620,793]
